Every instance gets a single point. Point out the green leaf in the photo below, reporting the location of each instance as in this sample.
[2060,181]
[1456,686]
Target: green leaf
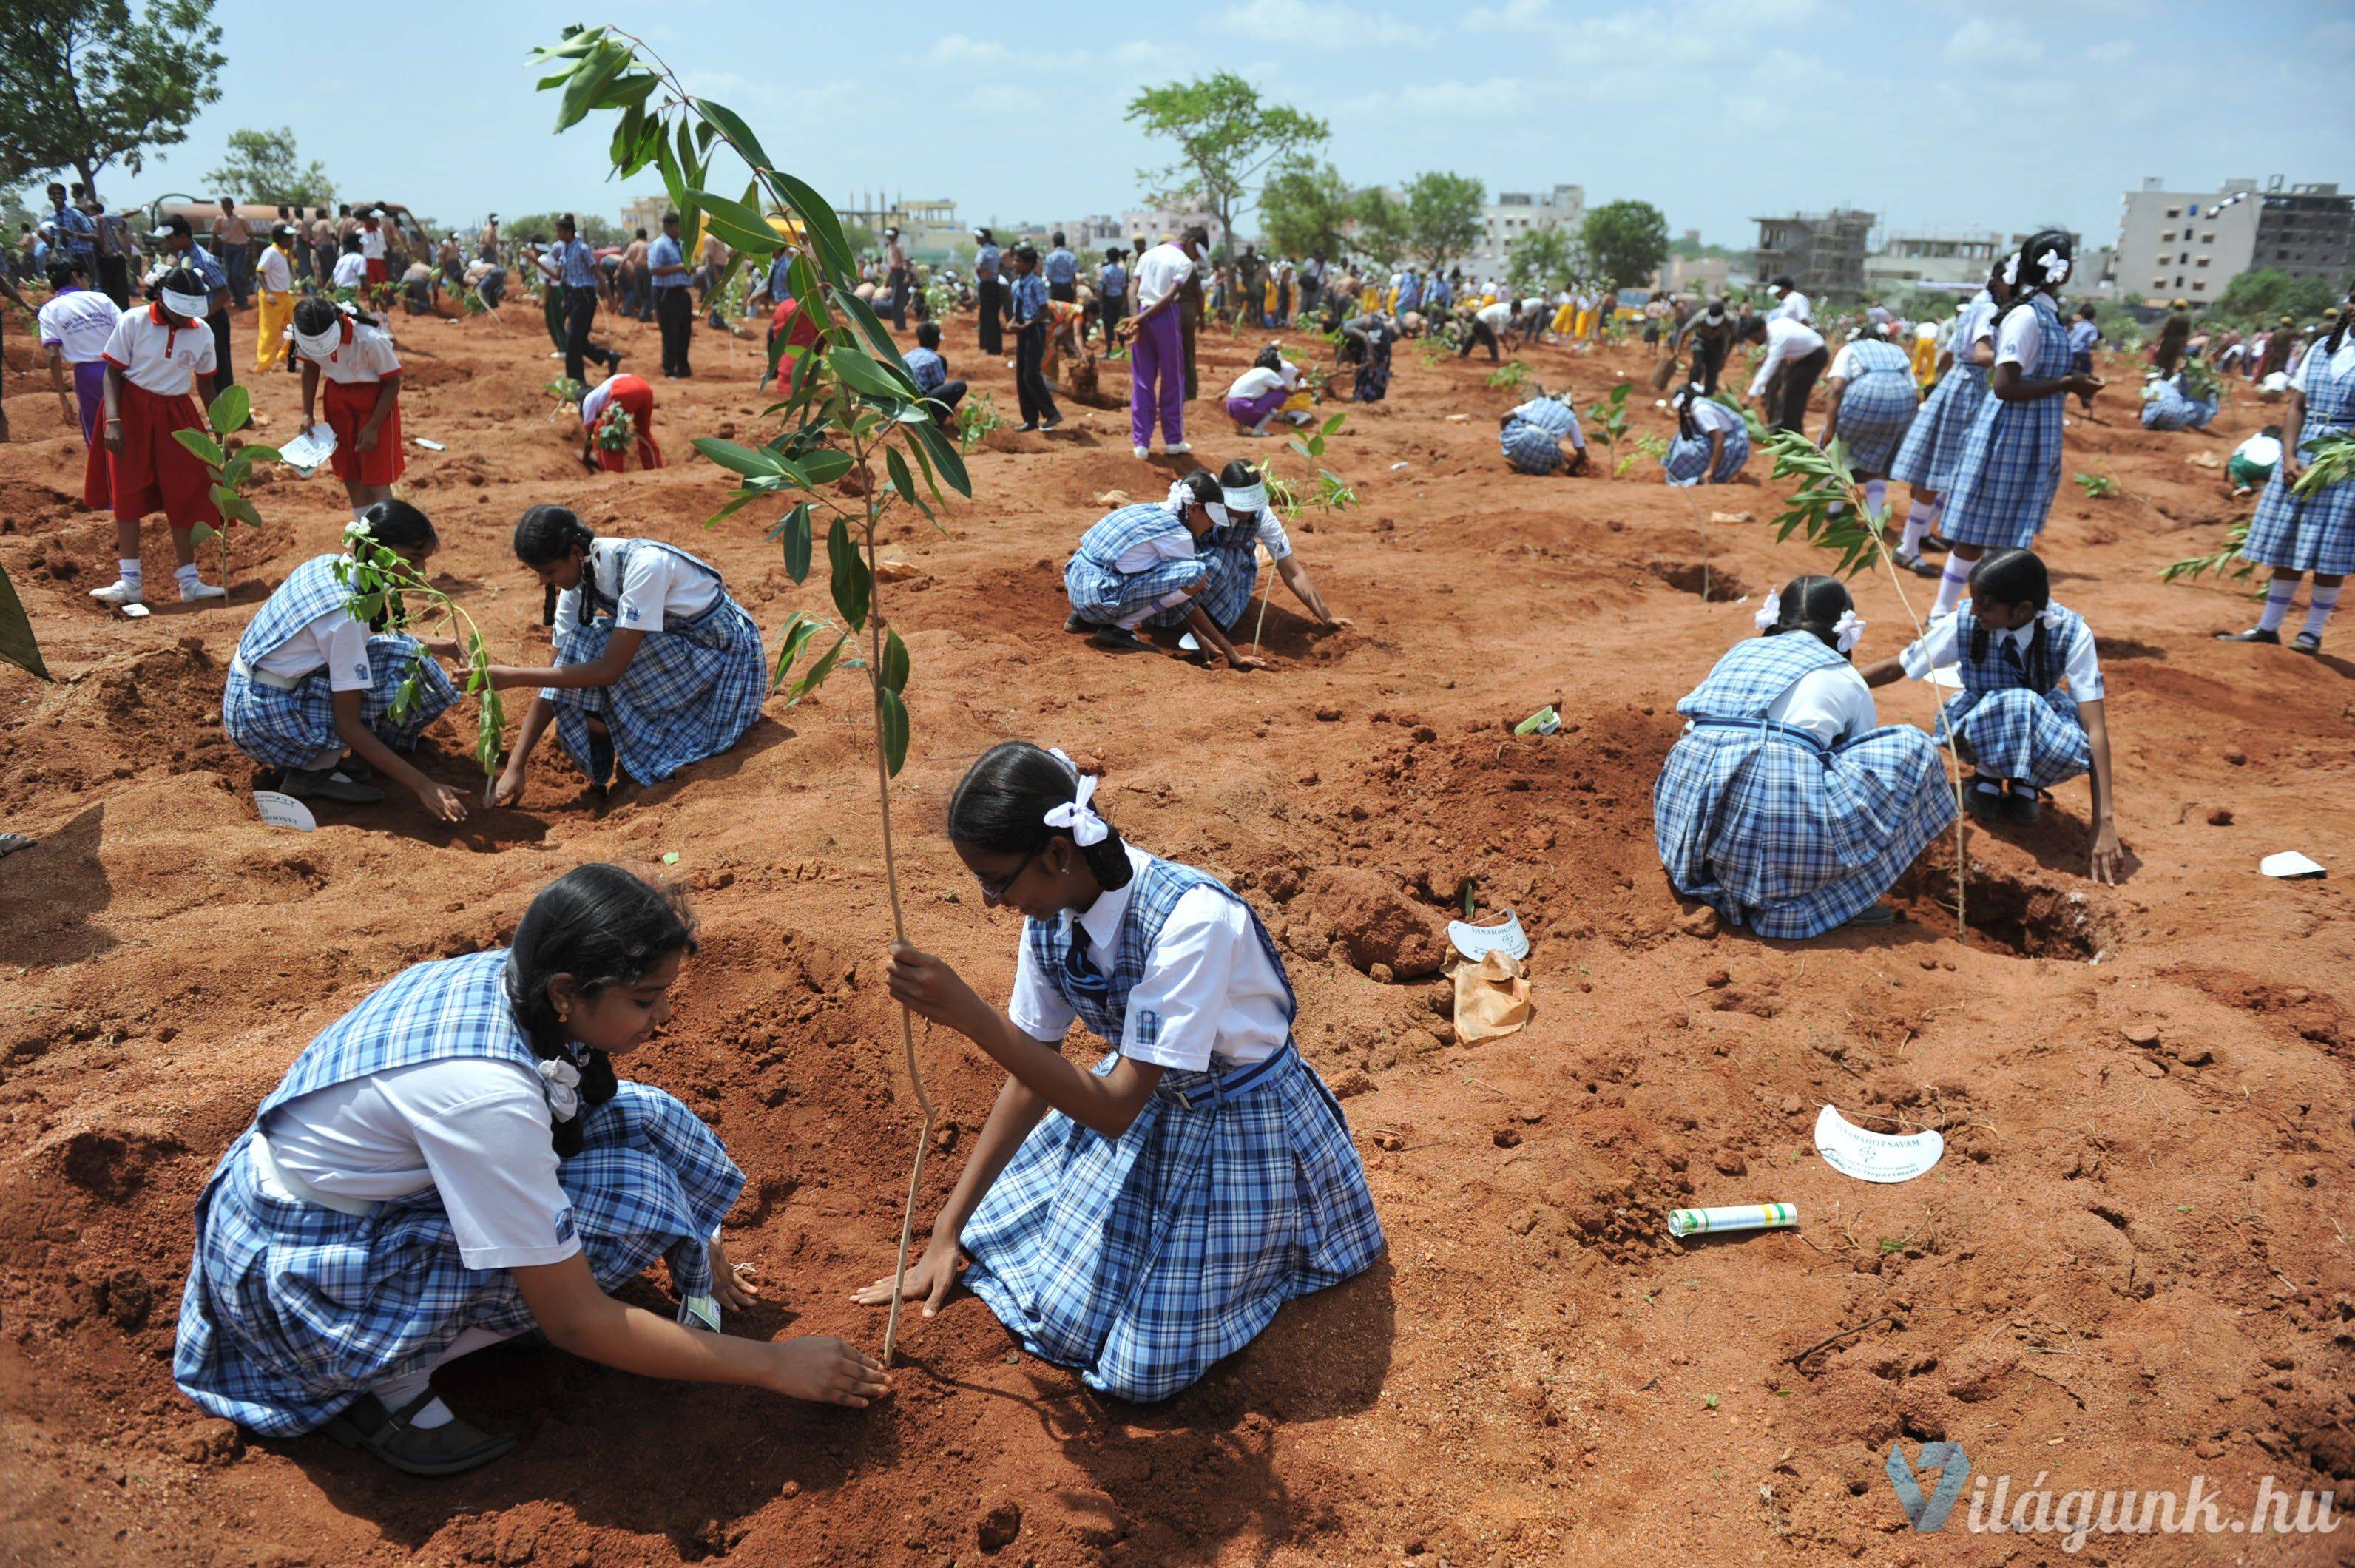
[902,480]
[208,451]
[891,722]
[589,82]
[825,466]
[738,224]
[895,662]
[1333,424]
[753,462]
[870,327]
[852,587]
[817,213]
[721,118]
[237,507]
[795,636]
[798,542]
[17,642]
[945,458]
[623,152]
[201,532]
[819,671]
[259,454]
[1301,447]
[864,375]
[230,410]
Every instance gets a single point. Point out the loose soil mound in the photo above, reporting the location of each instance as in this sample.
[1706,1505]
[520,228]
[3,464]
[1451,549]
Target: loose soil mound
[2131,1266]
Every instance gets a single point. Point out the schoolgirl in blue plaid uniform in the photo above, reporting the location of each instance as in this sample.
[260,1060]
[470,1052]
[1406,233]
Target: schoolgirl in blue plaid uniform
[1873,404]
[1926,459]
[1704,426]
[1532,436]
[454,1163]
[2010,465]
[1142,559]
[2015,651]
[1141,1221]
[1786,805]
[646,687]
[1231,555]
[2166,405]
[2314,533]
[312,684]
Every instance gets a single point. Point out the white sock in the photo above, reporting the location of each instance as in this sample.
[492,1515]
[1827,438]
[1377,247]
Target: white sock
[186,575]
[327,759]
[1917,528]
[2278,593]
[2319,605]
[394,1392]
[1951,584]
[1876,495]
[129,571]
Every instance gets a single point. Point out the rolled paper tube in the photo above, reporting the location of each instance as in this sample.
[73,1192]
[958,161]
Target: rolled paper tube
[1544,722]
[1737,1217]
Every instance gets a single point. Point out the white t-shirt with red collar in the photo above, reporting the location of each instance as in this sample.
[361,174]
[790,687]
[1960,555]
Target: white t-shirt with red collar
[372,242]
[366,356]
[160,358]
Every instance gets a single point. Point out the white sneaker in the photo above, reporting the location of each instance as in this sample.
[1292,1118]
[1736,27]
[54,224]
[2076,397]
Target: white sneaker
[1142,452]
[1178,448]
[197,592]
[117,593]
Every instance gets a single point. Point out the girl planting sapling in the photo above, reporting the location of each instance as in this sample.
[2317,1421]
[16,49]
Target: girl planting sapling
[1142,560]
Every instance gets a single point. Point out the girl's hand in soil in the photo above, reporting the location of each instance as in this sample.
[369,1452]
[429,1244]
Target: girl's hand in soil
[2107,855]
[930,1278]
[825,1370]
[928,987]
[506,789]
[1242,661]
[728,1287]
[440,800]
[1339,623]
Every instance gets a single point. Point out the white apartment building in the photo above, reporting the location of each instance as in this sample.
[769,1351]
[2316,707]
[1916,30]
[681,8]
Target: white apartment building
[1515,213]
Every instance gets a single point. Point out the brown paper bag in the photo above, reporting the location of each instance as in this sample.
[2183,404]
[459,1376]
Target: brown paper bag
[1492,999]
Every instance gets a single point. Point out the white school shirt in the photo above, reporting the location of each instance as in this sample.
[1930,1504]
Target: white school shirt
[1833,704]
[277,274]
[1936,649]
[1844,362]
[592,407]
[476,1129]
[1215,990]
[1793,306]
[1271,535]
[2340,363]
[367,359]
[351,270]
[2018,339]
[1497,316]
[2261,450]
[158,358]
[1256,382]
[1787,339]
[658,584]
[372,244]
[335,640]
[1708,414]
[79,321]
[1160,273]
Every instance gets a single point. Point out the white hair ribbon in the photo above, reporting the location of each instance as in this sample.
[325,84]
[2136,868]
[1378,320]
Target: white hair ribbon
[563,1080]
[1180,497]
[1849,630]
[1074,816]
[195,307]
[2011,268]
[2051,616]
[1769,614]
[2055,266]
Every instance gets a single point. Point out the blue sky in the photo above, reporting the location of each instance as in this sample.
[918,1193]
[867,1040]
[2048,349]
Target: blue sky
[1998,114]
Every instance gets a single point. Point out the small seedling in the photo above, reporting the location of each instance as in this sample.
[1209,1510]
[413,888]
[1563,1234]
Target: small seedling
[976,417]
[383,583]
[231,466]
[1609,424]
[2098,486]
[1708,1401]
[1509,374]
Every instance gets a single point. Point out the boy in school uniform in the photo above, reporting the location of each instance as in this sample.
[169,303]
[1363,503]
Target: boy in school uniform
[931,371]
[1061,271]
[153,357]
[372,247]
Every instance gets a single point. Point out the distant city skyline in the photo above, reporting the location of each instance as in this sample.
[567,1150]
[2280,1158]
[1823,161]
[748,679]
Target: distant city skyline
[1998,114]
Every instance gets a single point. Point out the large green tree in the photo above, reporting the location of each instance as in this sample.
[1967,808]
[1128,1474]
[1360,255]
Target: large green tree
[2263,297]
[1546,257]
[1443,217]
[1626,241]
[1385,227]
[263,166]
[1306,208]
[1227,139]
[88,83]
[594,227]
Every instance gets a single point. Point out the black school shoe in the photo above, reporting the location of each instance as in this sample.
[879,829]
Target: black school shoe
[1937,541]
[326,783]
[2254,635]
[1987,805]
[449,1449]
[2023,805]
[1076,624]
[1917,566]
[2306,643]
[1119,640]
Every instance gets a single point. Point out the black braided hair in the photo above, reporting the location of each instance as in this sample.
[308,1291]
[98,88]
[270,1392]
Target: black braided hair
[2024,284]
[1001,806]
[1813,605]
[551,533]
[1687,429]
[604,927]
[2014,577]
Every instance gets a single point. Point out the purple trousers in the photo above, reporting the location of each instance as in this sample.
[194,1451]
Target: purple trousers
[89,397]
[1249,412]
[1156,380]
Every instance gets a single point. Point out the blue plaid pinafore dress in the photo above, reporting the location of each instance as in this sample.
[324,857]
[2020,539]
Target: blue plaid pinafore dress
[294,1309]
[2011,715]
[694,686]
[2166,406]
[1531,440]
[1770,827]
[1687,459]
[2317,532]
[1876,407]
[1145,1259]
[1933,442]
[1229,557]
[2010,465]
[288,723]
[1103,593]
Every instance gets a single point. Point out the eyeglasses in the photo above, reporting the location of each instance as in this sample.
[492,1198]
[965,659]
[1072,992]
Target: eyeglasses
[996,890]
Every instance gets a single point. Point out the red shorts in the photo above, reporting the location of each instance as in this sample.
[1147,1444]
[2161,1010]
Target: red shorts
[97,486]
[375,274]
[347,406]
[154,473]
[633,393]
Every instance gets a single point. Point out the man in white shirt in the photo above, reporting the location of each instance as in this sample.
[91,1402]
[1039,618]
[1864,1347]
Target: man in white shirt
[1489,324]
[1157,375]
[1796,356]
[275,278]
[1789,301]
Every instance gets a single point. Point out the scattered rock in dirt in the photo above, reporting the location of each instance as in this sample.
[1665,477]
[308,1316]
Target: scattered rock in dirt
[128,1299]
[2142,1034]
[1701,922]
[1506,1137]
[1731,1163]
[1374,922]
[999,1526]
[2221,817]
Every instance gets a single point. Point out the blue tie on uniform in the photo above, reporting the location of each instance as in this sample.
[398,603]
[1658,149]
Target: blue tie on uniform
[1081,976]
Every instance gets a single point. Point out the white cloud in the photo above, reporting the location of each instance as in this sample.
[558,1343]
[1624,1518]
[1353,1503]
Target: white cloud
[1321,24]
[1992,42]
[1512,17]
[2116,51]
[955,48]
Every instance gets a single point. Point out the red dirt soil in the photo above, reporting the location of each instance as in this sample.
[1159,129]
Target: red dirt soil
[2132,1266]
